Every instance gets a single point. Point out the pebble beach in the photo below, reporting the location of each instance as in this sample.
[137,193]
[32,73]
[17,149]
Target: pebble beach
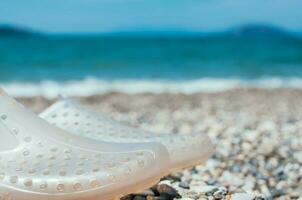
[257,134]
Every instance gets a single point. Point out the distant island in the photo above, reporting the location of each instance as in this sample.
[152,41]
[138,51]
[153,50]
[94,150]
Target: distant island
[248,30]
[10,30]
[259,30]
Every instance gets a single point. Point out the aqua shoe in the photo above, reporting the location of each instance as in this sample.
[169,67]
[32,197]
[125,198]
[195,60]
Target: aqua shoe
[39,161]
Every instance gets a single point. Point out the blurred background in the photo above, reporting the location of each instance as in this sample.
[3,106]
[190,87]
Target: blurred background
[153,46]
[231,69]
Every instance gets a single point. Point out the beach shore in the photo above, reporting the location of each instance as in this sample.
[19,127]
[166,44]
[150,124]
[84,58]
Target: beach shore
[257,133]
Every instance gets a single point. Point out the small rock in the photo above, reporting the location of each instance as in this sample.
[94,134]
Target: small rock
[208,190]
[175,177]
[221,193]
[165,196]
[218,195]
[164,189]
[138,197]
[242,196]
[277,193]
[298,156]
[184,185]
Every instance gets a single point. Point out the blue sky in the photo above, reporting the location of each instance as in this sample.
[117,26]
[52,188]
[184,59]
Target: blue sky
[119,15]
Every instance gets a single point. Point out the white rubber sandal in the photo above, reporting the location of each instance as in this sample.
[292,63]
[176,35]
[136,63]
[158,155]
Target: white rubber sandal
[185,150]
[41,161]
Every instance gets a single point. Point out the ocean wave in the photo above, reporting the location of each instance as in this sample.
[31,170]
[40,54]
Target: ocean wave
[92,86]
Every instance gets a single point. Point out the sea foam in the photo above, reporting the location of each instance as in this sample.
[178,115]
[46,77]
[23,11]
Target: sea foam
[91,86]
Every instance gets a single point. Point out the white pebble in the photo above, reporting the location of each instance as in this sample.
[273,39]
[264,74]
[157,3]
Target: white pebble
[242,196]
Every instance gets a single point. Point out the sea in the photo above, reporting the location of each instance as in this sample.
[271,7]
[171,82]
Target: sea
[88,64]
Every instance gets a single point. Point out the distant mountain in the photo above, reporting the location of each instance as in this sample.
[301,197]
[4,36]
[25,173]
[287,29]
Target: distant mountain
[245,31]
[249,30]
[259,30]
[9,30]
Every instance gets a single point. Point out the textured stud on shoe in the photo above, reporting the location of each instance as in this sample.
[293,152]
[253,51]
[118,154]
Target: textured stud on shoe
[185,150]
[41,161]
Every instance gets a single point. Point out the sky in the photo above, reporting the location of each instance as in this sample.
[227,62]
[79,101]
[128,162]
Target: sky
[123,15]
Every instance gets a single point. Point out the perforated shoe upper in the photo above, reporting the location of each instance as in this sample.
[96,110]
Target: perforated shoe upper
[185,150]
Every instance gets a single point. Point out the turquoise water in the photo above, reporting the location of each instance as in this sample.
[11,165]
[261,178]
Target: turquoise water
[61,58]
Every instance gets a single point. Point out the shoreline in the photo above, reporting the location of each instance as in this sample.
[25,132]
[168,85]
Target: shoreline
[257,133]
[90,86]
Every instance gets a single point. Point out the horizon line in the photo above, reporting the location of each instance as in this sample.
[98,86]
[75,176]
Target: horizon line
[150,30]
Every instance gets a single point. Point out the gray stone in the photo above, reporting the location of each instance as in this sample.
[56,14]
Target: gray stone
[164,189]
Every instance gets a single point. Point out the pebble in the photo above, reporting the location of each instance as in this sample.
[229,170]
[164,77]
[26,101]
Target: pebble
[184,185]
[138,197]
[204,189]
[221,193]
[166,190]
[242,196]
